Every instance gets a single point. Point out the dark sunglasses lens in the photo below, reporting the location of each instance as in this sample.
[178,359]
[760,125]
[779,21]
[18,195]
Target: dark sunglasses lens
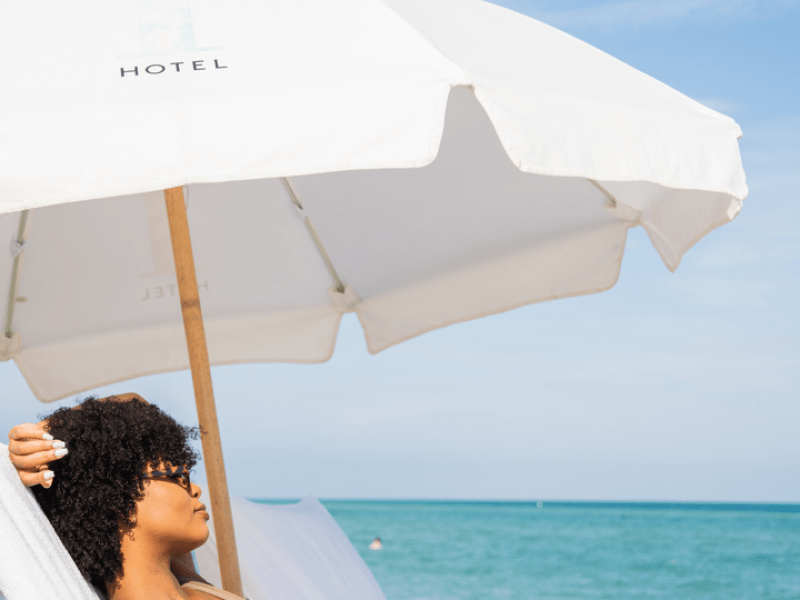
[179,474]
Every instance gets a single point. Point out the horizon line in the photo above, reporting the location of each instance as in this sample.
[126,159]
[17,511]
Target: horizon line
[544,501]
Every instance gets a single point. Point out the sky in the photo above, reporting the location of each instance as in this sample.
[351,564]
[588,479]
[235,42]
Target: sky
[679,386]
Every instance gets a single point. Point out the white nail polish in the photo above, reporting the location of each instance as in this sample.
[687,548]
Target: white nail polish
[59,444]
[61,452]
[48,475]
[47,436]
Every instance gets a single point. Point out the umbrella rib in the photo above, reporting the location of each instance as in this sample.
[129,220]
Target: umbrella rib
[313,232]
[17,245]
[607,194]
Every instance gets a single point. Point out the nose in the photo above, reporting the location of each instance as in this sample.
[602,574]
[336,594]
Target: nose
[195,491]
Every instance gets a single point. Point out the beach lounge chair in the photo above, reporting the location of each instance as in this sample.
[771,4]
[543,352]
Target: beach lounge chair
[34,565]
[292,552]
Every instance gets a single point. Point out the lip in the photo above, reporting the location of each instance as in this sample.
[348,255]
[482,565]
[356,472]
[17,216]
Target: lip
[201,508]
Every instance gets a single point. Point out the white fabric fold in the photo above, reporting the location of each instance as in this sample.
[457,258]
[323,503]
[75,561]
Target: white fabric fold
[34,565]
[292,552]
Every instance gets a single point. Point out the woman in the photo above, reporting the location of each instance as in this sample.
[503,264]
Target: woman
[116,488]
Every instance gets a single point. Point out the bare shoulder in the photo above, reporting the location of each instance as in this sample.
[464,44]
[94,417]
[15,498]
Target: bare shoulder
[198,595]
[204,591]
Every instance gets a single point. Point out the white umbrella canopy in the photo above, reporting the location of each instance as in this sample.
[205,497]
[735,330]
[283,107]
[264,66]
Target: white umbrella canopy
[421,163]
[110,99]
[529,174]
[96,300]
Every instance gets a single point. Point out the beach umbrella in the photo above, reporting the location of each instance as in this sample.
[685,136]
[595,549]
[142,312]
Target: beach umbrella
[420,163]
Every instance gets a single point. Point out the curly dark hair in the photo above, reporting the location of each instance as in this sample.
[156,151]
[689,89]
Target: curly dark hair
[96,486]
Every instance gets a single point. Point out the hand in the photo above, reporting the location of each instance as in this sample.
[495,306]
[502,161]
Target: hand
[31,450]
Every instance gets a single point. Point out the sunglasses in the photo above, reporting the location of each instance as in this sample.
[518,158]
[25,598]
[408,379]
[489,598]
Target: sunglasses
[179,474]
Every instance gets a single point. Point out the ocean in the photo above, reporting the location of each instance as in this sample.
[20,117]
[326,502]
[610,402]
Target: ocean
[454,550]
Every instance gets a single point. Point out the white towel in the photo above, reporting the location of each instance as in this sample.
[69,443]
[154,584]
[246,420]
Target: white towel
[34,565]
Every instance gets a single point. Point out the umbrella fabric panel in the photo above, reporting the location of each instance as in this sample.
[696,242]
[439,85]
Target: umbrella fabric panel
[675,220]
[466,236]
[586,264]
[107,264]
[263,90]
[97,298]
[65,367]
[387,229]
[562,107]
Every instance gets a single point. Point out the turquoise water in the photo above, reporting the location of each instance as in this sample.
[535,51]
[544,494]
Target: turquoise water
[515,551]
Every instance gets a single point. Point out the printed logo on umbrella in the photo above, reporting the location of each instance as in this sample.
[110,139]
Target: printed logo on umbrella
[166,27]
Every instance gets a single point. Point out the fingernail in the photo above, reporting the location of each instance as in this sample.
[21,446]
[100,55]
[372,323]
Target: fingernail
[48,475]
[59,444]
[61,452]
[47,436]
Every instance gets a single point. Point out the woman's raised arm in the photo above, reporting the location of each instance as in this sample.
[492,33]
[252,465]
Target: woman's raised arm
[32,449]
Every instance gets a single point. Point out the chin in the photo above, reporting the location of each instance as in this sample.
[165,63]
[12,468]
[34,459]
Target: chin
[203,538]
[195,538]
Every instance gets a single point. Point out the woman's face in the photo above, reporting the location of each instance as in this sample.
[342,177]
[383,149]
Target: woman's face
[170,514]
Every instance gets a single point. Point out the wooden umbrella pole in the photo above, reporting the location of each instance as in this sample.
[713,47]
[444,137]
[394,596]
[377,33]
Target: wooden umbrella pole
[203,392]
